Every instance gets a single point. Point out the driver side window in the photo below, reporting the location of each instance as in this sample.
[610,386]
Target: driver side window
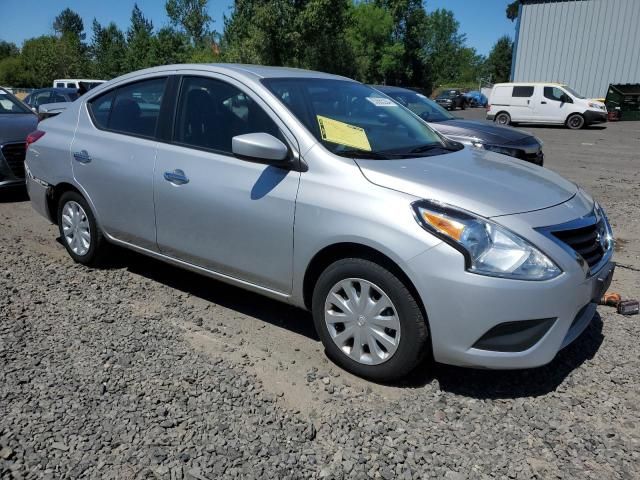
[211,112]
[554,93]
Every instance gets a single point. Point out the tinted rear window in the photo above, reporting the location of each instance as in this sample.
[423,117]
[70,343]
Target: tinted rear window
[131,109]
[525,91]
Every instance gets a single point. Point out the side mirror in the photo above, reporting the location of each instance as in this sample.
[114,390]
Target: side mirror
[566,98]
[424,115]
[260,147]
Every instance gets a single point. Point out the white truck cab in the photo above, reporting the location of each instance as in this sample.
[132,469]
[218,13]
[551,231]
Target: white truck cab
[552,103]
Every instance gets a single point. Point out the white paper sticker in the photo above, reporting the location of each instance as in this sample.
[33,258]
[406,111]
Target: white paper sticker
[382,102]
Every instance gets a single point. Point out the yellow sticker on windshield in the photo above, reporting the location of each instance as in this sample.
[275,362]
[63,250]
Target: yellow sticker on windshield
[343,133]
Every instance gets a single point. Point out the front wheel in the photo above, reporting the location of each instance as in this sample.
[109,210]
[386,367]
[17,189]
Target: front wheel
[369,322]
[79,231]
[575,121]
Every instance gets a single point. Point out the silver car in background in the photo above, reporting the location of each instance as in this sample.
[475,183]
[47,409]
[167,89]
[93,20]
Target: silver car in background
[322,192]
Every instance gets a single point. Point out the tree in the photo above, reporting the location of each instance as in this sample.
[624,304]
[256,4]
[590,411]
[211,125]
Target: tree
[69,22]
[376,52]
[410,26]
[320,27]
[139,40]
[191,16]
[108,49]
[8,49]
[499,60]
[512,10]
[169,47]
[48,57]
[12,72]
[261,32]
[444,46]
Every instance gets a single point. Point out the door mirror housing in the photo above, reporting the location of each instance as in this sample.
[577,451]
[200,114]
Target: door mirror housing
[260,147]
[566,98]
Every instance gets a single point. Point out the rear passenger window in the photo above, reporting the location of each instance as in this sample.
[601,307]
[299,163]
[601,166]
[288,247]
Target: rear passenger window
[132,109]
[522,91]
[211,112]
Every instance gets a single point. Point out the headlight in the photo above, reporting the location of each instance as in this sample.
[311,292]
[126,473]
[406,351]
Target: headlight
[604,228]
[488,248]
[596,105]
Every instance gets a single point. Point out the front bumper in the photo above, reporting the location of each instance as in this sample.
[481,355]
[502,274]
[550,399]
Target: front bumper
[591,117]
[463,307]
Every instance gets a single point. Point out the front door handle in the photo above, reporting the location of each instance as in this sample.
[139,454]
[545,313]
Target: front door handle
[543,102]
[82,156]
[176,177]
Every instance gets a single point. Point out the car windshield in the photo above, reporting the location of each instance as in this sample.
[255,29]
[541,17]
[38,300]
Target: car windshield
[420,105]
[10,104]
[573,92]
[351,119]
[447,95]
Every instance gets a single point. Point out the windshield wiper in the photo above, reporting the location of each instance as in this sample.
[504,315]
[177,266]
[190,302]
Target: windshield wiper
[433,146]
[356,153]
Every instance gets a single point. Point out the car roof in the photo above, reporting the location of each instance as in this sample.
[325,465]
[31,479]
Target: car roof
[252,72]
[553,84]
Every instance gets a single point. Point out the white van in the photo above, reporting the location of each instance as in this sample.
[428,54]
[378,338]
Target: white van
[75,82]
[552,103]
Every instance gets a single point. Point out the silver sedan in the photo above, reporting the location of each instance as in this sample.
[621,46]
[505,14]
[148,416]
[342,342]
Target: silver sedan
[322,192]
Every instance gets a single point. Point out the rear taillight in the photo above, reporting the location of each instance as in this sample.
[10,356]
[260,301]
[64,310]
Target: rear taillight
[33,137]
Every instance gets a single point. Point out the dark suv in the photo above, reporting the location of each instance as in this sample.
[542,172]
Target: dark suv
[452,99]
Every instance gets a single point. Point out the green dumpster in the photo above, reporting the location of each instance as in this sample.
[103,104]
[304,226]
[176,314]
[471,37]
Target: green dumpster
[625,99]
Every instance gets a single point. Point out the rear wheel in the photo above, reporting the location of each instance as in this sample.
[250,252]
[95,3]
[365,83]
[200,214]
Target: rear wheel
[369,322]
[503,118]
[575,121]
[80,234]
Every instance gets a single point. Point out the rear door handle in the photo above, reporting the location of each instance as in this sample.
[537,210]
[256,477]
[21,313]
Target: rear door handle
[82,156]
[176,177]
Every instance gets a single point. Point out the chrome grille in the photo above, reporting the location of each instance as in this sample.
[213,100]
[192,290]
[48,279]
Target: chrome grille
[14,154]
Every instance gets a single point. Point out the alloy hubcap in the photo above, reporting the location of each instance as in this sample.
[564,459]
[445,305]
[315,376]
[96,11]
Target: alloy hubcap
[362,321]
[76,229]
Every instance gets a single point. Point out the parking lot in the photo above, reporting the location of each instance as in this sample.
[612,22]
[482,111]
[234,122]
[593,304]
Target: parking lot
[141,370]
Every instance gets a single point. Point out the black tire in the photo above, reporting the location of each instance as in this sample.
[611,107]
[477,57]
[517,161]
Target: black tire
[414,338]
[502,118]
[463,105]
[575,121]
[98,246]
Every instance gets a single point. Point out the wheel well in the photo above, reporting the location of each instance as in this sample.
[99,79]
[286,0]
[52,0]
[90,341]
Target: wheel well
[332,253]
[502,111]
[53,197]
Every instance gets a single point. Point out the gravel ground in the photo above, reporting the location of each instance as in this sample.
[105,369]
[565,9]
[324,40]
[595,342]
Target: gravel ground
[141,370]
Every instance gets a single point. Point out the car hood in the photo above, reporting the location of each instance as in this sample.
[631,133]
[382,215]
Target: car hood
[14,127]
[479,181]
[485,131]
